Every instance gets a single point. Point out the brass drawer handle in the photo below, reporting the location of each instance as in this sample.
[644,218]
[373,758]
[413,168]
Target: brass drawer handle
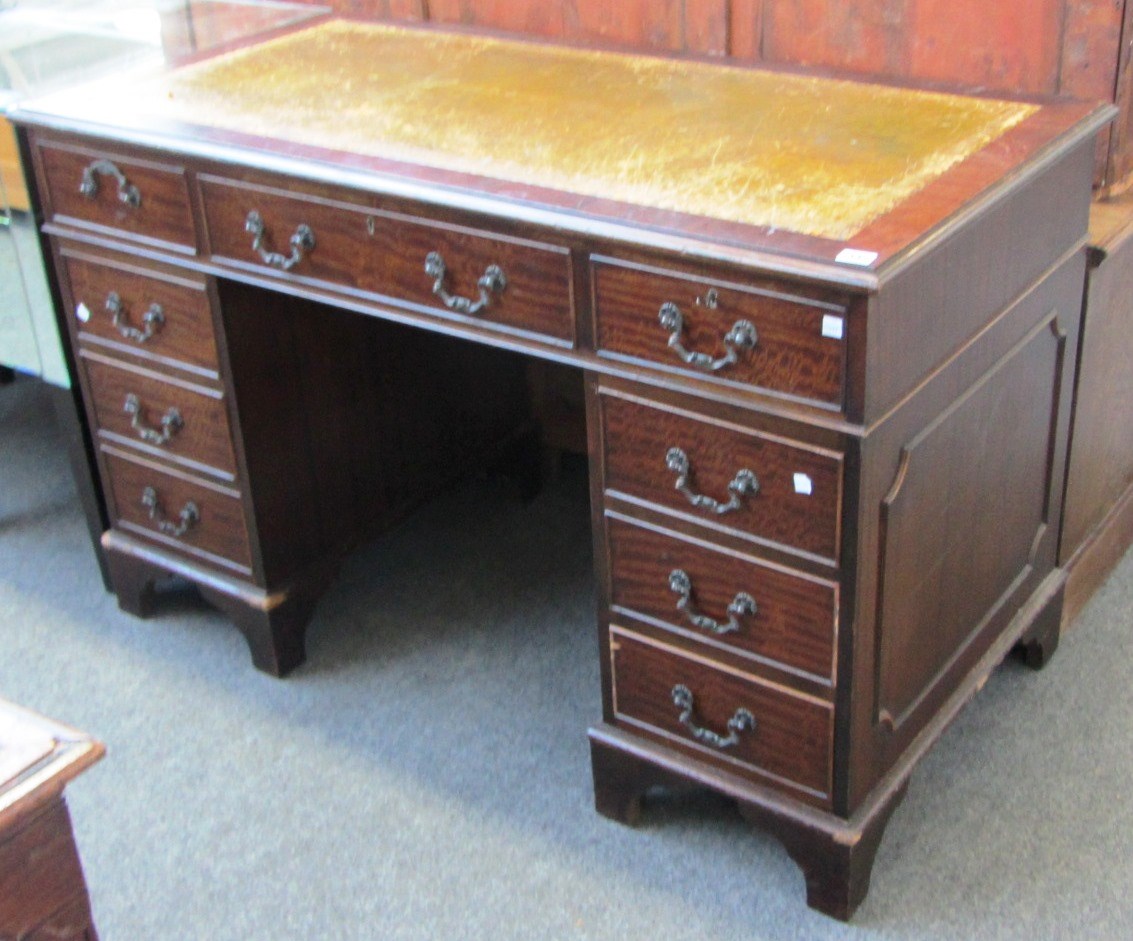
[171,422]
[742,721]
[742,604]
[127,192]
[303,240]
[744,484]
[189,515]
[153,319]
[742,336]
[492,281]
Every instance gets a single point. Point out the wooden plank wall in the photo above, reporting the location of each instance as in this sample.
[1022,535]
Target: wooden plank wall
[1039,47]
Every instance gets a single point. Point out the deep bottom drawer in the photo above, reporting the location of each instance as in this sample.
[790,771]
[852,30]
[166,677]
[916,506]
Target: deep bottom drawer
[727,717]
[202,520]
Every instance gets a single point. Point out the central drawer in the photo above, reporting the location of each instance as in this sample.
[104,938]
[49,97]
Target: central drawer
[756,485]
[463,273]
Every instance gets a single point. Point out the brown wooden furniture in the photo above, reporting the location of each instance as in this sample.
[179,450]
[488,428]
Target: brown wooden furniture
[43,894]
[828,394]
[1098,527]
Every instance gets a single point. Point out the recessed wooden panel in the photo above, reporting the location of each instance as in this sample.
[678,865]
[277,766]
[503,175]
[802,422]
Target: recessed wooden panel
[639,435]
[968,43]
[658,24]
[793,626]
[962,522]
[790,743]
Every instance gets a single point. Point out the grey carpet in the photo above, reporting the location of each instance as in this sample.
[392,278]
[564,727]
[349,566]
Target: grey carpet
[426,774]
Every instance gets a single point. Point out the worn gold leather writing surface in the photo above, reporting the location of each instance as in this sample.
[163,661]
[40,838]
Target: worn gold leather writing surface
[811,155]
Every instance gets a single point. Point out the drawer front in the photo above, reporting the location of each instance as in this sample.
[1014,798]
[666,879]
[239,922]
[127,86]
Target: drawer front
[794,501]
[724,716]
[722,599]
[785,343]
[140,199]
[384,254]
[164,318]
[179,512]
[184,423]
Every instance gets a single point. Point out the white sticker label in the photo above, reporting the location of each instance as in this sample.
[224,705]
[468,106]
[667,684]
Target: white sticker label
[855,256]
[82,312]
[832,326]
[803,484]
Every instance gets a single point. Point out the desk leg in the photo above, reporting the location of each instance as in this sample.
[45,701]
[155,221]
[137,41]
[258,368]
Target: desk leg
[274,623]
[276,632]
[836,856]
[1040,641]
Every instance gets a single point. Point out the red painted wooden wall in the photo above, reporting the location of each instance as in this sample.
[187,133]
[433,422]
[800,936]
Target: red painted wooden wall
[1072,47]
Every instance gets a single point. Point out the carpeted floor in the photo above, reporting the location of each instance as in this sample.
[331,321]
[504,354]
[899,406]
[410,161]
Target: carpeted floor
[426,774]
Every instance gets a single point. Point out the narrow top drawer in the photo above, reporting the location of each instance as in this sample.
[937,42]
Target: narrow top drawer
[716,327]
[140,199]
[153,313]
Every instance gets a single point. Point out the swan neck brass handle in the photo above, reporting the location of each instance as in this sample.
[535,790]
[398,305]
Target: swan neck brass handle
[128,194]
[302,241]
[186,519]
[742,721]
[743,604]
[171,422]
[742,336]
[492,281]
[744,484]
[153,319]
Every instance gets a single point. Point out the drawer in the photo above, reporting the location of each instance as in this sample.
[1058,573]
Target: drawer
[199,519]
[759,486]
[92,187]
[780,341]
[478,276]
[723,600]
[724,716]
[183,422]
[155,315]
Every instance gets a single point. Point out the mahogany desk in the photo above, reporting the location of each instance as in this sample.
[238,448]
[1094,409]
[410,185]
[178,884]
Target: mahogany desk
[828,332]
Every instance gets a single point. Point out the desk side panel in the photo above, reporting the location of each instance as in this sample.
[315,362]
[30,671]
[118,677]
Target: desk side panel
[944,298]
[959,519]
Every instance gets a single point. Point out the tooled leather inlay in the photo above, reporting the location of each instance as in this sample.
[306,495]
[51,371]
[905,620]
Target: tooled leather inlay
[817,156]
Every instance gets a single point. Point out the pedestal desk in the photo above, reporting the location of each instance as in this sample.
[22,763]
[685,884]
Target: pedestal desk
[828,332]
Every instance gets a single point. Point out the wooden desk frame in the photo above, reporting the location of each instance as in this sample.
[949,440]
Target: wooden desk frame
[907,467]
